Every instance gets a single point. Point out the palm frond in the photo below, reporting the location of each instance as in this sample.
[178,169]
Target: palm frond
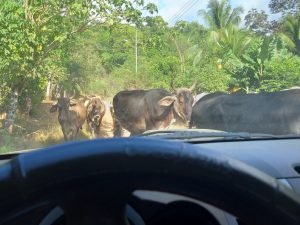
[219,14]
[288,41]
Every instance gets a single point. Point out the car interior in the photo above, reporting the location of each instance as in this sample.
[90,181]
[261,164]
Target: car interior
[139,181]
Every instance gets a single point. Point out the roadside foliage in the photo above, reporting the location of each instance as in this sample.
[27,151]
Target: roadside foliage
[102,47]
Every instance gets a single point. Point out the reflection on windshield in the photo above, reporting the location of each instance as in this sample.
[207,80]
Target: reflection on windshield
[99,69]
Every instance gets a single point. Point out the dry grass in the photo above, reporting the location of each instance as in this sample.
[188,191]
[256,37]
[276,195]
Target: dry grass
[39,130]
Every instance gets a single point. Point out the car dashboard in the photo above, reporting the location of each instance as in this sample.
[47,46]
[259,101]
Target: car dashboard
[279,158]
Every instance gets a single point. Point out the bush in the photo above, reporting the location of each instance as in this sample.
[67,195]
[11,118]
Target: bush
[5,142]
[281,72]
[209,79]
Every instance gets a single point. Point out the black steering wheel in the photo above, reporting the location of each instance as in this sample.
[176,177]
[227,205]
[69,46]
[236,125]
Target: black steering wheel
[91,181]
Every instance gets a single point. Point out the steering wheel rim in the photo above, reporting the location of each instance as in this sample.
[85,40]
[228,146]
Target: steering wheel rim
[144,163]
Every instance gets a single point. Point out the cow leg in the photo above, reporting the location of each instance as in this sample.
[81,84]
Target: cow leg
[64,133]
[133,134]
[75,133]
[137,132]
[118,131]
[93,133]
[69,134]
[97,132]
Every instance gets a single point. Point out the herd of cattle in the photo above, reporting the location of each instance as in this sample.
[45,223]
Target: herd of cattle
[141,110]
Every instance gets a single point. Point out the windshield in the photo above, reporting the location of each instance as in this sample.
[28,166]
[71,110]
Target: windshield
[72,70]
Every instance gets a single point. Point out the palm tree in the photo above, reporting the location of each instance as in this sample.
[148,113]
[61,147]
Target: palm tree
[220,14]
[233,39]
[223,22]
[291,33]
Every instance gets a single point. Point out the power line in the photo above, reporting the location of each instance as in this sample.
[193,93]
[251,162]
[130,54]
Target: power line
[183,10]
[187,10]
[180,10]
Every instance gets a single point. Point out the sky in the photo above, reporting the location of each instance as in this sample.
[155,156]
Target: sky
[168,9]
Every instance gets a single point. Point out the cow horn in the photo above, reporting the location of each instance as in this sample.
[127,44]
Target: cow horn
[193,86]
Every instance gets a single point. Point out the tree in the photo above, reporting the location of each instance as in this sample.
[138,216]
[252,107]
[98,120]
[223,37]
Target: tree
[258,22]
[291,33]
[285,6]
[281,72]
[191,31]
[223,22]
[249,68]
[219,14]
[233,40]
[31,30]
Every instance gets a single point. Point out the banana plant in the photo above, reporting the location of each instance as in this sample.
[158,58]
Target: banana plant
[248,68]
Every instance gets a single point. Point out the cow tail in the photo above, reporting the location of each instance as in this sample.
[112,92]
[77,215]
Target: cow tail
[117,124]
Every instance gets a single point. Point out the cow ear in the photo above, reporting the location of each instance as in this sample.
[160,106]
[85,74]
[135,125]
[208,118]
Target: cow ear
[53,108]
[167,101]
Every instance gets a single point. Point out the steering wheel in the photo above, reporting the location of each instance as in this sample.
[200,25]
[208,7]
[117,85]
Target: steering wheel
[92,180]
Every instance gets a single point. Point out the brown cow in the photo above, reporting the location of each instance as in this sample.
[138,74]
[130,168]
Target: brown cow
[95,113]
[71,116]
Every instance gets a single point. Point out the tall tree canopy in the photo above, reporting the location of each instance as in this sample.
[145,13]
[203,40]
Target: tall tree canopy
[258,22]
[32,30]
[219,14]
[285,6]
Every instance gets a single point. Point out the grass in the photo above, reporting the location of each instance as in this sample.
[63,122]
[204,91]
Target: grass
[39,130]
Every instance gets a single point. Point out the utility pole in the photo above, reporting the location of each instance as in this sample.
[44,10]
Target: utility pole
[136,52]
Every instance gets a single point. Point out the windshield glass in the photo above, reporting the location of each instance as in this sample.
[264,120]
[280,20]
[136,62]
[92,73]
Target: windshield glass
[72,70]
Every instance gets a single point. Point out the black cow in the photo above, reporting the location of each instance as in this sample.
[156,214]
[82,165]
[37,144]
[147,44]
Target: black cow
[273,113]
[141,110]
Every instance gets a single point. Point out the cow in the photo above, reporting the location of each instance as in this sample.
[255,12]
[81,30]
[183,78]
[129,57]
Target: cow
[108,126]
[71,116]
[95,112]
[141,110]
[275,113]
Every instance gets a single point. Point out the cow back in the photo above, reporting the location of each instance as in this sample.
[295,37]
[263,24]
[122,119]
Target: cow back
[77,114]
[275,113]
[138,110]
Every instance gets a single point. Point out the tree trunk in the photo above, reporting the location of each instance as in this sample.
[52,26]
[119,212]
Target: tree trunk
[48,91]
[11,113]
[28,106]
[181,57]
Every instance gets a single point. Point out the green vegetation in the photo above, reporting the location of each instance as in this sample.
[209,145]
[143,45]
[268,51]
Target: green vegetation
[79,48]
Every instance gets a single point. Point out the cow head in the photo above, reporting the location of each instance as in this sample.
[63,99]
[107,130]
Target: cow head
[182,102]
[62,104]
